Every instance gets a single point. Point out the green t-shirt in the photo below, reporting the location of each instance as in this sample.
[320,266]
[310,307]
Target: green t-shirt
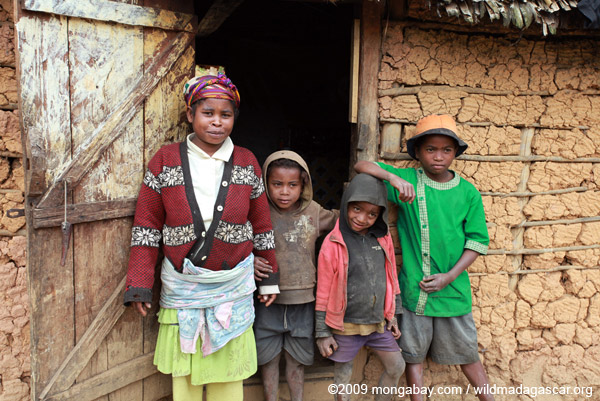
[444,220]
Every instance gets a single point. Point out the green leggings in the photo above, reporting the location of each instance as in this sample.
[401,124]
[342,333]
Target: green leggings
[184,390]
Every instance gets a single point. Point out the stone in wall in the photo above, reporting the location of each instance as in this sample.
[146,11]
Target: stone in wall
[7,46]
[547,176]
[490,177]
[9,127]
[6,10]
[8,86]
[571,205]
[502,211]
[414,56]
[492,140]
[566,108]
[569,144]
[14,320]
[12,175]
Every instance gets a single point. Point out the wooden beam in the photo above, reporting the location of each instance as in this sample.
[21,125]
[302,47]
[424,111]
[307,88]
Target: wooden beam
[499,158]
[112,127]
[218,12]
[106,382]
[112,11]
[370,58]
[79,356]
[354,72]
[414,90]
[84,212]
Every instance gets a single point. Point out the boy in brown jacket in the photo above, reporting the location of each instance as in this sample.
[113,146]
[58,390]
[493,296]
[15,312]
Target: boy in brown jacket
[287,325]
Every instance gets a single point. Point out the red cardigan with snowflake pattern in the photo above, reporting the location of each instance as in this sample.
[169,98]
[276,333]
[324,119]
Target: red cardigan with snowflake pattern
[168,215]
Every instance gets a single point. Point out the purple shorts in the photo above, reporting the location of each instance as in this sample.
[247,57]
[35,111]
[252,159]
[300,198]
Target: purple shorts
[348,346]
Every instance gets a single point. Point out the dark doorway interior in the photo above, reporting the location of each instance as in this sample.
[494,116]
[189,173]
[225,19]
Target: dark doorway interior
[291,63]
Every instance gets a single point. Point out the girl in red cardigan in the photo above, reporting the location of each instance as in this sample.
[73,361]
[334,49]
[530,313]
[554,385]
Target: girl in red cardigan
[203,202]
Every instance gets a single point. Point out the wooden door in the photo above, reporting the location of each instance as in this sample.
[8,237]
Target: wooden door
[100,91]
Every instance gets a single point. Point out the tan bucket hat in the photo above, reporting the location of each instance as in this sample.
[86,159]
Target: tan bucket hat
[436,124]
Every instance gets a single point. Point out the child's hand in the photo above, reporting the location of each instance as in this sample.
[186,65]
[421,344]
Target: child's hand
[435,282]
[393,327]
[267,299]
[327,346]
[261,268]
[141,307]
[406,191]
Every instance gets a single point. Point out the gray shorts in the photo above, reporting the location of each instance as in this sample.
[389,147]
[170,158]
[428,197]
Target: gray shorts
[447,340]
[289,327]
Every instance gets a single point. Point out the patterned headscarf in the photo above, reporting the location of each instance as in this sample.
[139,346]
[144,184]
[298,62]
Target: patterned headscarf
[209,86]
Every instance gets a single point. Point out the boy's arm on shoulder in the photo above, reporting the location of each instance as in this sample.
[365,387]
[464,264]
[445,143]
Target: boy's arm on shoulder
[327,219]
[398,188]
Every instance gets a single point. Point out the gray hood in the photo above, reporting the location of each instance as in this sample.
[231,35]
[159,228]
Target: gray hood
[365,188]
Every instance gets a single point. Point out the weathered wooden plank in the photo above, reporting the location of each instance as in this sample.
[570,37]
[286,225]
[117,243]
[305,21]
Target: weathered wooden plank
[164,116]
[44,88]
[218,12]
[101,76]
[109,381]
[79,356]
[111,11]
[112,127]
[84,212]
[43,77]
[354,71]
[390,137]
[370,57]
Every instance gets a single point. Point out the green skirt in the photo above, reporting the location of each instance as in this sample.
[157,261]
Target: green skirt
[235,361]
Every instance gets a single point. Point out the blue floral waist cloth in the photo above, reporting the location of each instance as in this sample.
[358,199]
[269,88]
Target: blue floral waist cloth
[216,306]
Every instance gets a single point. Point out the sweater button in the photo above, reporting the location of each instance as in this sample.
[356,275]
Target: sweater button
[224,183]
[203,257]
[220,208]
[203,234]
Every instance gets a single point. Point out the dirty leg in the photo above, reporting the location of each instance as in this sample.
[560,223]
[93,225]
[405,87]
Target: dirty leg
[393,367]
[270,378]
[414,377]
[477,377]
[342,373]
[294,373]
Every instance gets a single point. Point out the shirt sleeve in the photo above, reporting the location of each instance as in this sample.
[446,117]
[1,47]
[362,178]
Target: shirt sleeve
[476,233]
[264,238]
[392,192]
[327,219]
[146,235]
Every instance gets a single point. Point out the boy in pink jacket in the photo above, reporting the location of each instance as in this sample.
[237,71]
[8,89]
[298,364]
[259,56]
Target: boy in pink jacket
[358,295]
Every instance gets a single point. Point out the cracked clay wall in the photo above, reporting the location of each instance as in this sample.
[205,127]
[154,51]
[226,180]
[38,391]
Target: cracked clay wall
[530,111]
[15,370]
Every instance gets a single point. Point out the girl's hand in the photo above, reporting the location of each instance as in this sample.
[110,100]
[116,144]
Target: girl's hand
[141,307]
[435,282]
[267,299]
[327,346]
[393,327]
[406,191]
[261,268]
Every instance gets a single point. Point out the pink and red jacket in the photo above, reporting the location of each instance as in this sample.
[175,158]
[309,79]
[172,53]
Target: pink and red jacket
[332,278]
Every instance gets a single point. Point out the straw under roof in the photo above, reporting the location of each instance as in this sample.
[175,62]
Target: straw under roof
[520,13]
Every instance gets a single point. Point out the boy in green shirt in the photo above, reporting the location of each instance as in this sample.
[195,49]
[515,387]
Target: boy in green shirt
[441,234]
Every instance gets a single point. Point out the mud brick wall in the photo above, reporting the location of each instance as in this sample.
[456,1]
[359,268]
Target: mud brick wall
[15,371]
[530,111]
